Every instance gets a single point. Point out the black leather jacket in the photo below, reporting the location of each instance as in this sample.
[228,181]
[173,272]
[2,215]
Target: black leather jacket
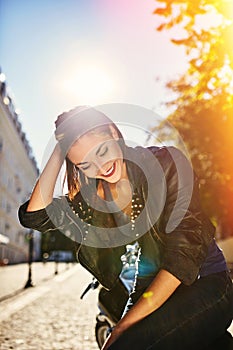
[177,233]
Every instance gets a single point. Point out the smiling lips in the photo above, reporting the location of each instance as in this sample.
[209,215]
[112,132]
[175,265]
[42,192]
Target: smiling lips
[110,171]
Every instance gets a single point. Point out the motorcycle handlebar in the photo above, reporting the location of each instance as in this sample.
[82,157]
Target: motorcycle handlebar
[93,285]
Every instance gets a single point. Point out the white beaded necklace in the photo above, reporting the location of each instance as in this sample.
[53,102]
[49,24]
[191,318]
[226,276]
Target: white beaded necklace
[86,214]
[136,208]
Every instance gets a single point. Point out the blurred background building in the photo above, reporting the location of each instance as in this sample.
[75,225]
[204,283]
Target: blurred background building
[18,172]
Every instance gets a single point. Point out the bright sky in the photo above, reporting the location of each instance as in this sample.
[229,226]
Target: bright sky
[59,54]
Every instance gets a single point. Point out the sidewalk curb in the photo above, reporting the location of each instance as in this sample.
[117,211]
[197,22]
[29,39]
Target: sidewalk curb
[43,280]
[20,300]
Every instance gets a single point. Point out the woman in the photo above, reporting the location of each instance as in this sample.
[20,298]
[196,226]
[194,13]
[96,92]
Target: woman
[118,195]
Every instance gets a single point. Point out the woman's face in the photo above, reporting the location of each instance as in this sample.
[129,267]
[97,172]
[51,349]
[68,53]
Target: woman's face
[98,156]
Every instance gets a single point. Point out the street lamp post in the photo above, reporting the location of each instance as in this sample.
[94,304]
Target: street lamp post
[56,262]
[30,259]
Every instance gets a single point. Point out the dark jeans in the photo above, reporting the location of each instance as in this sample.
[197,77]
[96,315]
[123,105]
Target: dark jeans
[192,318]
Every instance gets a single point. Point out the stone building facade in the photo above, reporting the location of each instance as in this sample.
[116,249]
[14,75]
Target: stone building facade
[18,173]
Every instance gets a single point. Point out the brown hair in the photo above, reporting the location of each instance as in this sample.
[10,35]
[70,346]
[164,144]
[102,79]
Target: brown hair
[69,127]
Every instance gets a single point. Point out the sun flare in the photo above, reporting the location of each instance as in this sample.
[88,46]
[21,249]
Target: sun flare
[89,85]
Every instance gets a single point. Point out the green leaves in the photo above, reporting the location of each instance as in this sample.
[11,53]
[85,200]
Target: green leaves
[203,107]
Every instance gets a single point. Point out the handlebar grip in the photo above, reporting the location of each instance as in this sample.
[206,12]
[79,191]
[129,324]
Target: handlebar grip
[93,285]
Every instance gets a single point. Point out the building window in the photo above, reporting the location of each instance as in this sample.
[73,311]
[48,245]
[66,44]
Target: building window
[1,144]
[3,203]
[17,184]
[8,208]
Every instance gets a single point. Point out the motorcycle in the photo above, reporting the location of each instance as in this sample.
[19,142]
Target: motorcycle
[112,303]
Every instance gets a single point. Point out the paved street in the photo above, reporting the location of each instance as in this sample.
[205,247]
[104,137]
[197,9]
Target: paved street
[14,277]
[51,316]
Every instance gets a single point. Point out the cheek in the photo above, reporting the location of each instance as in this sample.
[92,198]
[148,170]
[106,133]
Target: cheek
[90,172]
[115,153]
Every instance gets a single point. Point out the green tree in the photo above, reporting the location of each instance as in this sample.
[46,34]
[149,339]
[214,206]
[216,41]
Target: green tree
[202,110]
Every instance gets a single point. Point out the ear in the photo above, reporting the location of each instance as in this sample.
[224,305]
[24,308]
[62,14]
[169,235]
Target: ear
[114,132]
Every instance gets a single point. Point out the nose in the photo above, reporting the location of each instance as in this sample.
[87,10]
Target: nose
[96,168]
[100,169]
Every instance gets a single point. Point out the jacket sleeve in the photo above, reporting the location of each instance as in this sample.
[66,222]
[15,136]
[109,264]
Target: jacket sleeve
[185,231]
[58,215]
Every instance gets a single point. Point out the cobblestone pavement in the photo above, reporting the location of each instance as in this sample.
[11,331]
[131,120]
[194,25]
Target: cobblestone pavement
[51,316]
[14,277]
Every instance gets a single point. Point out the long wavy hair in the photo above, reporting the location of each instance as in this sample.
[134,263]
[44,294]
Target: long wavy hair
[69,127]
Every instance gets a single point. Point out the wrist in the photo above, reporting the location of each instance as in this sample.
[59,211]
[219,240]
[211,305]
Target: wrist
[58,155]
[119,328]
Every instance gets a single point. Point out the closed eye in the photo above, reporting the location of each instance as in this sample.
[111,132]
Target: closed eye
[104,151]
[85,167]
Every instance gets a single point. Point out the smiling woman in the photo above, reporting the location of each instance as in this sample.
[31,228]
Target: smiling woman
[89,84]
[103,159]
[182,295]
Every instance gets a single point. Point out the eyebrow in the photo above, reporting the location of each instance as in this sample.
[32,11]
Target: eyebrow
[97,152]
